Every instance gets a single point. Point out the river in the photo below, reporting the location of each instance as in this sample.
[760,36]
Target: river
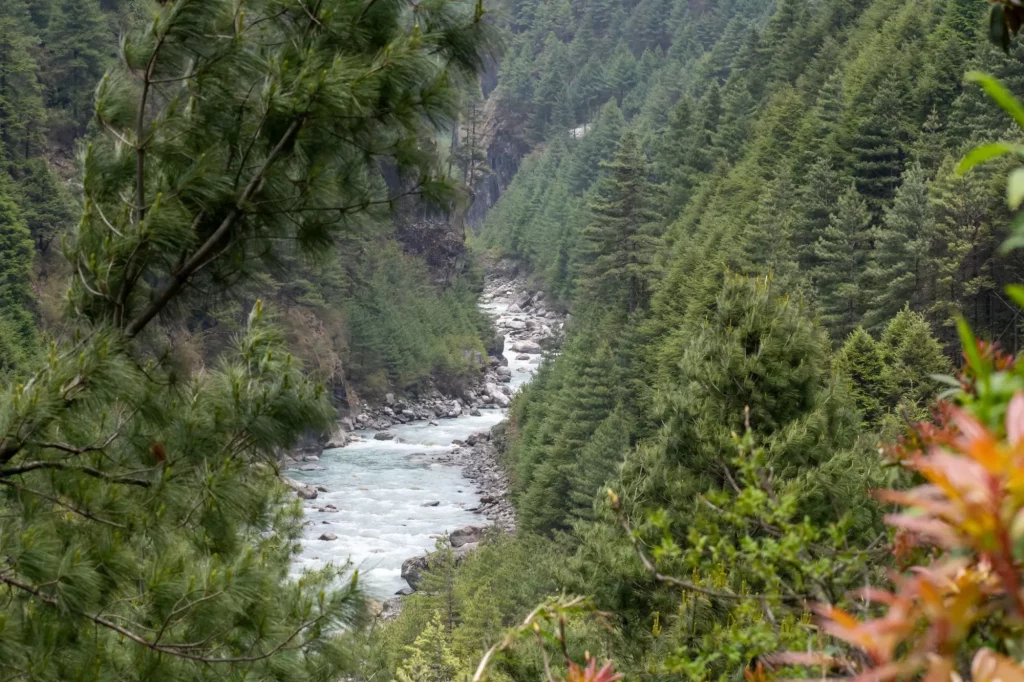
[383,493]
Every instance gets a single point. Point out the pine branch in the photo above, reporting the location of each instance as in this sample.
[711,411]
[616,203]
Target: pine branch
[61,466]
[71,508]
[199,258]
[178,650]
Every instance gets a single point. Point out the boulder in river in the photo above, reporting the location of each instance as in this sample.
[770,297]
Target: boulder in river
[522,357]
[337,439]
[412,570]
[461,552]
[432,503]
[328,537]
[497,346]
[526,347]
[302,490]
[384,435]
[467,535]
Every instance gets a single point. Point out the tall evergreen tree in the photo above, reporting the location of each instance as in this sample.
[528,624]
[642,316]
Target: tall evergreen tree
[819,199]
[16,301]
[861,360]
[843,252]
[878,146]
[912,357]
[961,256]
[903,242]
[769,243]
[619,244]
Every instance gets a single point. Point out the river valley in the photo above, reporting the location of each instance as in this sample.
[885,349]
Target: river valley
[381,502]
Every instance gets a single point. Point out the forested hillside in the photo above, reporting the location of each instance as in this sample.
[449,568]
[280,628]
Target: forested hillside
[754,212]
[397,312]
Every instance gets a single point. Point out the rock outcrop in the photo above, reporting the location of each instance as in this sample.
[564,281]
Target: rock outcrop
[306,492]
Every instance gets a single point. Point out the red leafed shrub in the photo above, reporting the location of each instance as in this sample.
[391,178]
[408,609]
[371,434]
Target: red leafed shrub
[970,511]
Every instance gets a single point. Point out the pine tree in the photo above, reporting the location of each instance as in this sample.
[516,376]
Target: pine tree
[46,204]
[903,242]
[621,74]
[930,146]
[784,40]
[962,245]
[737,110]
[673,153]
[769,241]
[16,300]
[818,200]
[816,142]
[430,658]
[599,460]
[843,251]
[548,463]
[878,146]
[912,357]
[619,244]
[597,145]
[862,362]
[755,350]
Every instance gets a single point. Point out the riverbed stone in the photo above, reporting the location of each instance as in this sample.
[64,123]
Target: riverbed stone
[328,537]
[467,535]
[432,503]
[413,569]
[526,347]
[391,609]
[301,489]
[384,435]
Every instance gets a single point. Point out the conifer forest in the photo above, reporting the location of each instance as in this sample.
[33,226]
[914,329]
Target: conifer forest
[511,340]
